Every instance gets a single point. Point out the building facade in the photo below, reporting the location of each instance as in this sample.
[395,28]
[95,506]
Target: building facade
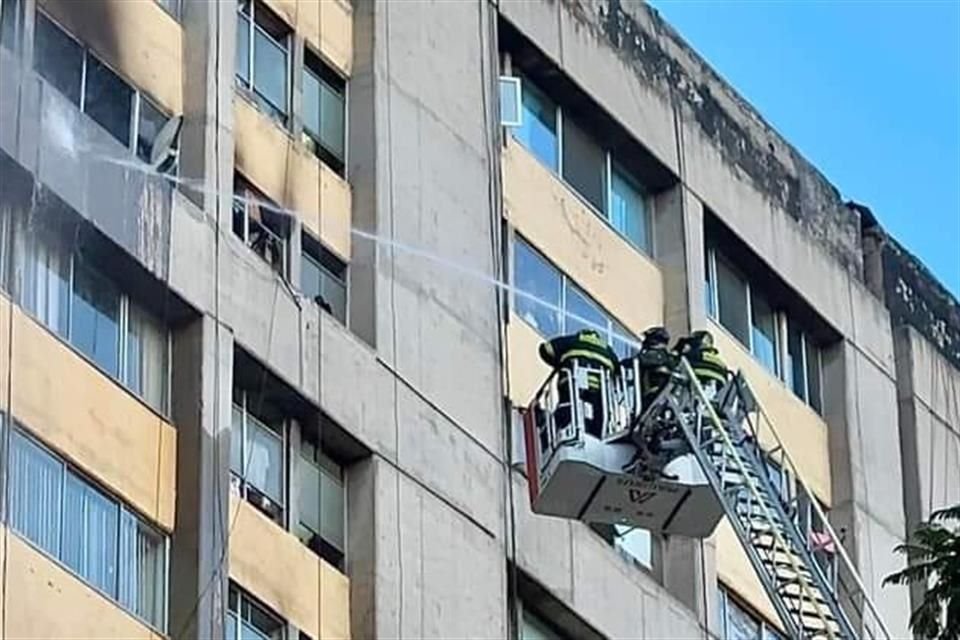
[262,346]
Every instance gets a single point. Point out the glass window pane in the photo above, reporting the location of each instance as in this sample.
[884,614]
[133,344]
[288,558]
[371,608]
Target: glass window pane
[270,70]
[58,58]
[334,292]
[249,632]
[9,23]
[510,108]
[584,164]
[236,441]
[628,209]
[230,626]
[621,340]
[243,49]
[151,121]
[90,534]
[36,480]
[143,565]
[264,463]
[709,293]
[764,332]
[309,277]
[538,133]
[795,375]
[637,543]
[95,317]
[311,102]
[813,376]
[331,119]
[538,285]
[108,100]
[533,628]
[146,373]
[740,625]
[46,281]
[732,299]
[321,503]
[581,312]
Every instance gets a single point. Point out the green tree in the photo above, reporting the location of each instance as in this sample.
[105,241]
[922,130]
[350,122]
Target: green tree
[933,560]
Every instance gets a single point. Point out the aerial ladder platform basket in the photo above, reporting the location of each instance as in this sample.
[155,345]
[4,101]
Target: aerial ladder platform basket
[677,467]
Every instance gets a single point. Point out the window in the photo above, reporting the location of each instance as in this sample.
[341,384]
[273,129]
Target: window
[79,303]
[736,623]
[99,539]
[260,224]
[324,97]
[249,620]
[532,627]
[635,543]
[323,278]
[628,209]
[511,106]
[772,336]
[10,12]
[262,57]
[321,503]
[151,121]
[111,102]
[565,147]
[538,128]
[171,6]
[553,304]
[59,59]
[584,164]
[257,444]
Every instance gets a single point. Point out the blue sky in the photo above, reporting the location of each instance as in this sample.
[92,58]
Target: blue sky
[867,91]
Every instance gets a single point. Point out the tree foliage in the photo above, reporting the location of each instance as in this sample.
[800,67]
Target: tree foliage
[933,560]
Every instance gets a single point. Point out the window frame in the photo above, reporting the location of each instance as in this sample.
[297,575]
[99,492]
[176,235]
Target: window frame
[338,165]
[307,243]
[566,282]
[782,322]
[136,99]
[243,484]
[245,196]
[321,464]
[68,470]
[245,597]
[250,85]
[727,598]
[16,46]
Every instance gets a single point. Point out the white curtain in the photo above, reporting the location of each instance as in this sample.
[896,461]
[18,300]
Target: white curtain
[264,459]
[46,281]
[90,534]
[146,369]
[142,587]
[36,480]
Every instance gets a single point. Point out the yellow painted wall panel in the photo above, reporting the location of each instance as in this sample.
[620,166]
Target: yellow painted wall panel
[327,25]
[43,601]
[287,173]
[136,37]
[737,574]
[93,421]
[803,432]
[551,216]
[276,568]
[527,370]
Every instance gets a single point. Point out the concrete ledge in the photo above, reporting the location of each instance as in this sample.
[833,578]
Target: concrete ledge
[326,25]
[272,565]
[43,600]
[137,38]
[552,217]
[291,176]
[89,418]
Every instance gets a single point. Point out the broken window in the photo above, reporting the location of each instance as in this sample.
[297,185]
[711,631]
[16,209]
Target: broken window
[323,111]
[261,225]
[58,58]
[263,57]
[323,278]
[108,100]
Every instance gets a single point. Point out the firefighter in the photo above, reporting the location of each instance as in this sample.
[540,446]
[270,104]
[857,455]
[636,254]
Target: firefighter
[656,364]
[588,349]
[705,361]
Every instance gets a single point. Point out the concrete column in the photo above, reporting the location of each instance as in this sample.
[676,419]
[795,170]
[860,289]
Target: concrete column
[361,546]
[201,394]
[206,140]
